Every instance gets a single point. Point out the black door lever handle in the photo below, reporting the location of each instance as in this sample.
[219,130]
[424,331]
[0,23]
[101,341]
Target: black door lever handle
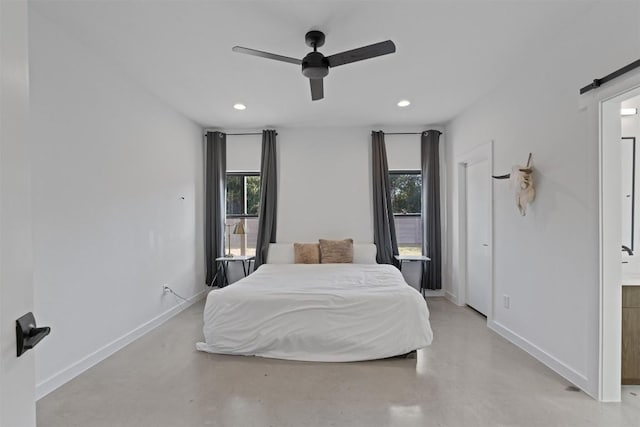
[27,334]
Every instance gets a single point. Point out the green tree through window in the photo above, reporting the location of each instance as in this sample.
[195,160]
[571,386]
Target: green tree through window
[243,194]
[235,197]
[406,192]
[253,194]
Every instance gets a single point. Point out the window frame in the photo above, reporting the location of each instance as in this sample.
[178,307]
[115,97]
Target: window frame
[244,194]
[406,172]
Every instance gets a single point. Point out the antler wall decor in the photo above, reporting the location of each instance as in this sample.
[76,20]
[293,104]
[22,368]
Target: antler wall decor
[521,177]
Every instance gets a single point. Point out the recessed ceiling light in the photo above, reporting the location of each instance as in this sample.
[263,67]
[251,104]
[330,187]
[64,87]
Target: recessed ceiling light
[239,106]
[628,111]
[404,103]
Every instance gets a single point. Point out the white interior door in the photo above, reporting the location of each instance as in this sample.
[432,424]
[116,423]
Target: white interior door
[478,238]
[17,380]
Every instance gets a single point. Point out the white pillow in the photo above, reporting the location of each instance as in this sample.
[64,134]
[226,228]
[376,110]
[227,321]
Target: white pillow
[283,253]
[364,253]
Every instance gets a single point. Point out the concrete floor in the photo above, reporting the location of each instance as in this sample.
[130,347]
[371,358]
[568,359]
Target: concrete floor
[469,376]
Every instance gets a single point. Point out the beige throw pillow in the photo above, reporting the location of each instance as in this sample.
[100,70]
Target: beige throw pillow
[306,253]
[336,251]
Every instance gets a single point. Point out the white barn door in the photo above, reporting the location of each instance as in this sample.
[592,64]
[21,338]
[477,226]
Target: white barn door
[478,200]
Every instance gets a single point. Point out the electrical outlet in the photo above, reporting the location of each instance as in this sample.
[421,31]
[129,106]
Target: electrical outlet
[506,301]
[166,289]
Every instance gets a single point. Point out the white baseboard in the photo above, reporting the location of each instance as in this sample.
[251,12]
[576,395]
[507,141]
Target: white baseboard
[72,371]
[547,359]
[451,297]
[433,293]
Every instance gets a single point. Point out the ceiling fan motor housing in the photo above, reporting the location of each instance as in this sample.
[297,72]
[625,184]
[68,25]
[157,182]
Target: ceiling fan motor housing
[315,65]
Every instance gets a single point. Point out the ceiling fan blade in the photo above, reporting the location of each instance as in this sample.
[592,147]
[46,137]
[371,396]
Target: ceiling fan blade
[366,52]
[317,89]
[267,55]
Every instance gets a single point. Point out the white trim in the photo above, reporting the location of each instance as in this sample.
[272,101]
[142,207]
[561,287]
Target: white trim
[575,377]
[604,110]
[461,287]
[429,293]
[451,297]
[604,316]
[478,153]
[72,371]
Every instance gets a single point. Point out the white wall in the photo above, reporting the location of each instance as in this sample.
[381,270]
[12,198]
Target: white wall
[403,151]
[244,151]
[17,406]
[631,124]
[111,166]
[547,261]
[324,178]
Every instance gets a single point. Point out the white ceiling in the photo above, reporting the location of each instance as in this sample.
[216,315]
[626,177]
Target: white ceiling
[449,54]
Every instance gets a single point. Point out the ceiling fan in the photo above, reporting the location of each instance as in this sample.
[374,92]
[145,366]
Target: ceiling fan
[315,66]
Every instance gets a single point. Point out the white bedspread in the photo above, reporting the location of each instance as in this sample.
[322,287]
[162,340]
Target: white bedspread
[319,312]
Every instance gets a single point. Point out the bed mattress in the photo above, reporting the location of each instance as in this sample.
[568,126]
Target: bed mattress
[318,312]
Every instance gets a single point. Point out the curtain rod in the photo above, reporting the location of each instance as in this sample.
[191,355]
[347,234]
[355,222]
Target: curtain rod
[599,82]
[236,134]
[260,133]
[403,133]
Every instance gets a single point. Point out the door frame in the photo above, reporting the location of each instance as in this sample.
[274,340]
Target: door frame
[481,152]
[603,109]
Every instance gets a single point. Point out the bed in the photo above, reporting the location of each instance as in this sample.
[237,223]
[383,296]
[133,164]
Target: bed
[317,312]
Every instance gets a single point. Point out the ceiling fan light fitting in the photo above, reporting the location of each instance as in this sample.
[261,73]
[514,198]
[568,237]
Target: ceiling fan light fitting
[315,66]
[315,72]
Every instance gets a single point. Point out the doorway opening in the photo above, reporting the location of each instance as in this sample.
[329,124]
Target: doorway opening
[617,229]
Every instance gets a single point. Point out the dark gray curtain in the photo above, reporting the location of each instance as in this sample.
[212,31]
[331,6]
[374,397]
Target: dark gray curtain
[267,213]
[215,202]
[431,239]
[384,229]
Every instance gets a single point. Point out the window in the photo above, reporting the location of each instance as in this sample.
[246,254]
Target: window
[243,199]
[406,202]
